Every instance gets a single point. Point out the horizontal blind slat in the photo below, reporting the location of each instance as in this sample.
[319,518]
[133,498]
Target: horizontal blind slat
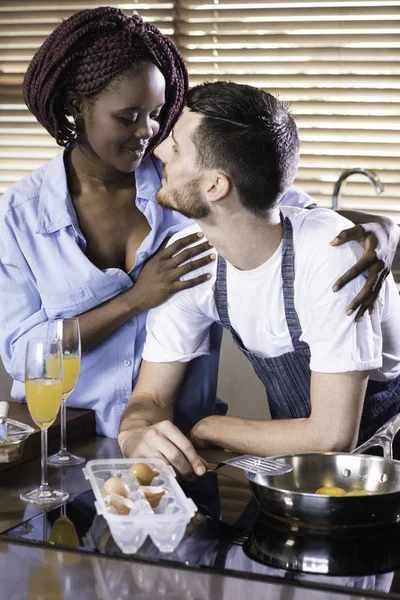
[245,39]
[285,5]
[337,61]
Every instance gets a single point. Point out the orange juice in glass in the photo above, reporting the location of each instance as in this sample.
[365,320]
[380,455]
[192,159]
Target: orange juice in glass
[71,366]
[43,397]
[67,332]
[43,388]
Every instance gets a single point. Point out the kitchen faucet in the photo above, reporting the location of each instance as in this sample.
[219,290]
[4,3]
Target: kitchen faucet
[372,176]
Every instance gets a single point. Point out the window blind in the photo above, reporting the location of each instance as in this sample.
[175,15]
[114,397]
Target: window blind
[337,61]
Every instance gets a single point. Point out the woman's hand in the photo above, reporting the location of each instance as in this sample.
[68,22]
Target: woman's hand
[160,276]
[380,241]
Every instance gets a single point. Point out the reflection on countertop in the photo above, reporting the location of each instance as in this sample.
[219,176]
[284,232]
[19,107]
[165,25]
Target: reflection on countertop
[211,561]
[34,573]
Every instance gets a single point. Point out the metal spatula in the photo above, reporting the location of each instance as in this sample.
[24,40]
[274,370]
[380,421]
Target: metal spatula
[257,465]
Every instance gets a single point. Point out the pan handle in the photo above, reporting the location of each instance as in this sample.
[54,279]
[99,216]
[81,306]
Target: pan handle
[383,437]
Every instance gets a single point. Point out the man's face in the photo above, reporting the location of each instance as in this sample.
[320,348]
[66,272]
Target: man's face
[183,182]
[124,117]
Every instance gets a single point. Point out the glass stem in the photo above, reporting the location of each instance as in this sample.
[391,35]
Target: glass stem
[63,447]
[43,480]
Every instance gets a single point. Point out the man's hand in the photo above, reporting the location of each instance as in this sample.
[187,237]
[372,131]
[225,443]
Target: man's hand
[165,441]
[380,242]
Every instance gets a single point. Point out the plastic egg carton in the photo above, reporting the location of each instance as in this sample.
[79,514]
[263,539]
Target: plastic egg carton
[165,524]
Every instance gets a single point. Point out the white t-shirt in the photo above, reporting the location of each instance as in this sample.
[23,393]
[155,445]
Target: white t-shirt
[178,329]
[297,197]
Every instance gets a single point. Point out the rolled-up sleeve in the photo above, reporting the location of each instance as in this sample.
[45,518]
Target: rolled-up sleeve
[21,312]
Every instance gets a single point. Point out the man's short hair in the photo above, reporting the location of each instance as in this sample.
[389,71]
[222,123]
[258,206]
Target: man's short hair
[250,135]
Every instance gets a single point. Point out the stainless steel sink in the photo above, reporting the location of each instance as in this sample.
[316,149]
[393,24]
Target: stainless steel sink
[372,176]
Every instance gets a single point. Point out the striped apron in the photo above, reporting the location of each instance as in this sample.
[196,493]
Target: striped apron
[287,378]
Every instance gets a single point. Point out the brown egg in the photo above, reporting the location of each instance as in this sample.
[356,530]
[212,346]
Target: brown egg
[144,474]
[154,497]
[114,485]
[331,491]
[358,493]
[121,509]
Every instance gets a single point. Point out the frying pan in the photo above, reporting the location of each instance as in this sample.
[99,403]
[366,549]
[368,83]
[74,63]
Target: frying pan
[292,496]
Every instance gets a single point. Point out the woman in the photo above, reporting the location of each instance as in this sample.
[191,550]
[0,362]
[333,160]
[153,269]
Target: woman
[83,235]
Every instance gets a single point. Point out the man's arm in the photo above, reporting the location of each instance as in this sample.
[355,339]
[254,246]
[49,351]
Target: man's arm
[147,430]
[336,407]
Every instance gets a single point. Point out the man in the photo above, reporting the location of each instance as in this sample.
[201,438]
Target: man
[331,381]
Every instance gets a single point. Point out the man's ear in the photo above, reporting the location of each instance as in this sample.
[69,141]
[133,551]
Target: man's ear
[74,105]
[219,184]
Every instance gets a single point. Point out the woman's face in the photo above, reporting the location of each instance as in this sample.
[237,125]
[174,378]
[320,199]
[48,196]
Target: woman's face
[123,118]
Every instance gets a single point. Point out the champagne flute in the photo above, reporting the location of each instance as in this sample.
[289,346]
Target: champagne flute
[43,388]
[67,332]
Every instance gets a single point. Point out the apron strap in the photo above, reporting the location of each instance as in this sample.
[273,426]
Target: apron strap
[220,293]
[287,271]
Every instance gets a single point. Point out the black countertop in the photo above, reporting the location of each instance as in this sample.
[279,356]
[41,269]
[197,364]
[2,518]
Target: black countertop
[256,546]
[242,553]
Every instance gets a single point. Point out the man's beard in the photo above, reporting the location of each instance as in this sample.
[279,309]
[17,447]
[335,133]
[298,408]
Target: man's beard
[186,200]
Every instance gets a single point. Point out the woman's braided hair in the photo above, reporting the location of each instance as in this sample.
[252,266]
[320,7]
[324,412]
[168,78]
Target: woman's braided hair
[85,53]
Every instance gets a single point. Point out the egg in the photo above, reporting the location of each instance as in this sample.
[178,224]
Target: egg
[143,473]
[114,485]
[358,493]
[120,504]
[153,495]
[122,509]
[331,491]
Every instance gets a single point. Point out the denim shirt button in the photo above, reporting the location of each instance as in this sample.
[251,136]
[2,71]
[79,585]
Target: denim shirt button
[143,255]
[127,362]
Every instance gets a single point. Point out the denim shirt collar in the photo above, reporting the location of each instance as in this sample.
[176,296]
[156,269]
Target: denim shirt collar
[56,209]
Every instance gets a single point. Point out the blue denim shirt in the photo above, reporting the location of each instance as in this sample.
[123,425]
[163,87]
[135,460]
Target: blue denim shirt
[44,273]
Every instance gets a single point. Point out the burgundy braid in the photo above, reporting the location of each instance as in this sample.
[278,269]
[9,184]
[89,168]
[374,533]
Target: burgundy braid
[85,53]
